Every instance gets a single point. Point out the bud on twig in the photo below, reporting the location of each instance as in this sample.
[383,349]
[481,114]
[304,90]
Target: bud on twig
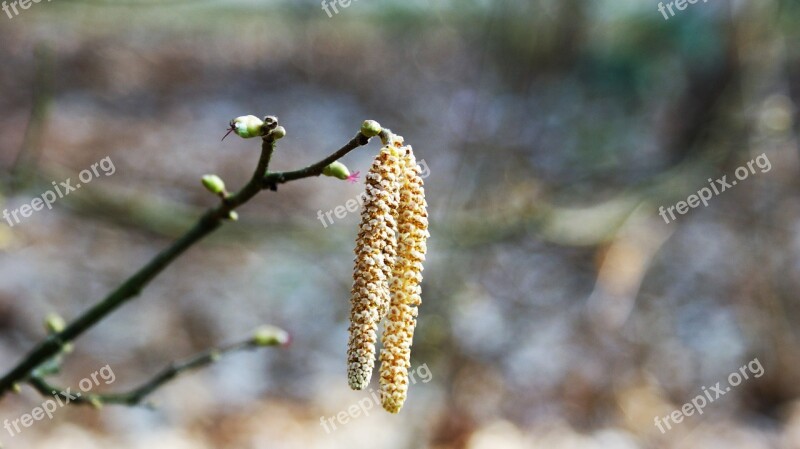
[246,126]
[270,336]
[215,356]
[337,170]
[54,324]
[278,133]
[370,128]
[214,184]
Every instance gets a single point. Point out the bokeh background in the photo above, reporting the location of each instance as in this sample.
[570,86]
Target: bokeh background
[559,310]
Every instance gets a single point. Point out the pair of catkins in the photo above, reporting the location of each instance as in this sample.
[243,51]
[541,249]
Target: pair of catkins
[390,249]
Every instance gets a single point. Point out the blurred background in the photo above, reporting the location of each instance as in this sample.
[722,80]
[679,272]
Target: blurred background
[559,309]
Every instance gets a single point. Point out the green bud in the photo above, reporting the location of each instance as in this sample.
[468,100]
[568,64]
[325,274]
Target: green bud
[233,216]
[96,402]
[54,324]
[270,336]
[336,170]
[246,126]
[278,133]
[15,388]
[214,184]
[370,128]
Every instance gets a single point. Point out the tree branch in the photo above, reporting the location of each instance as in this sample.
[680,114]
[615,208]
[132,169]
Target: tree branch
[271,180]
[208,223]
[137,395]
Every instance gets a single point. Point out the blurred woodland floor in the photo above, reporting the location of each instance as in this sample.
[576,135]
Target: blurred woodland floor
[559,310]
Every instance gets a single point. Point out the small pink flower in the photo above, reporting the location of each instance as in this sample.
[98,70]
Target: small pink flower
[353,178]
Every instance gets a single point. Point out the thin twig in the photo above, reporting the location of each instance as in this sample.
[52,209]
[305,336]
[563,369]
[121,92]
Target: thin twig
[208,223]
[137,395]
[271,180]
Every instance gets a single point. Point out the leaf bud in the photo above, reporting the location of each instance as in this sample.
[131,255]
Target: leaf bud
[54,324]
[370,128]
[214,184]
[270,336]
[337,170]
[246,126]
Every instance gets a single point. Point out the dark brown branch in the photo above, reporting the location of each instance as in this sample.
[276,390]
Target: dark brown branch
[52,345]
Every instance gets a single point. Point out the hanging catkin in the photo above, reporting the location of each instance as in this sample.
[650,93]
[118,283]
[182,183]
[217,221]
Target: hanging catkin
[405,289]
[390,250]
[374,256]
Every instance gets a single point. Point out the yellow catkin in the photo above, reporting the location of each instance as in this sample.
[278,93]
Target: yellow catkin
[405,290]
[374,256]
